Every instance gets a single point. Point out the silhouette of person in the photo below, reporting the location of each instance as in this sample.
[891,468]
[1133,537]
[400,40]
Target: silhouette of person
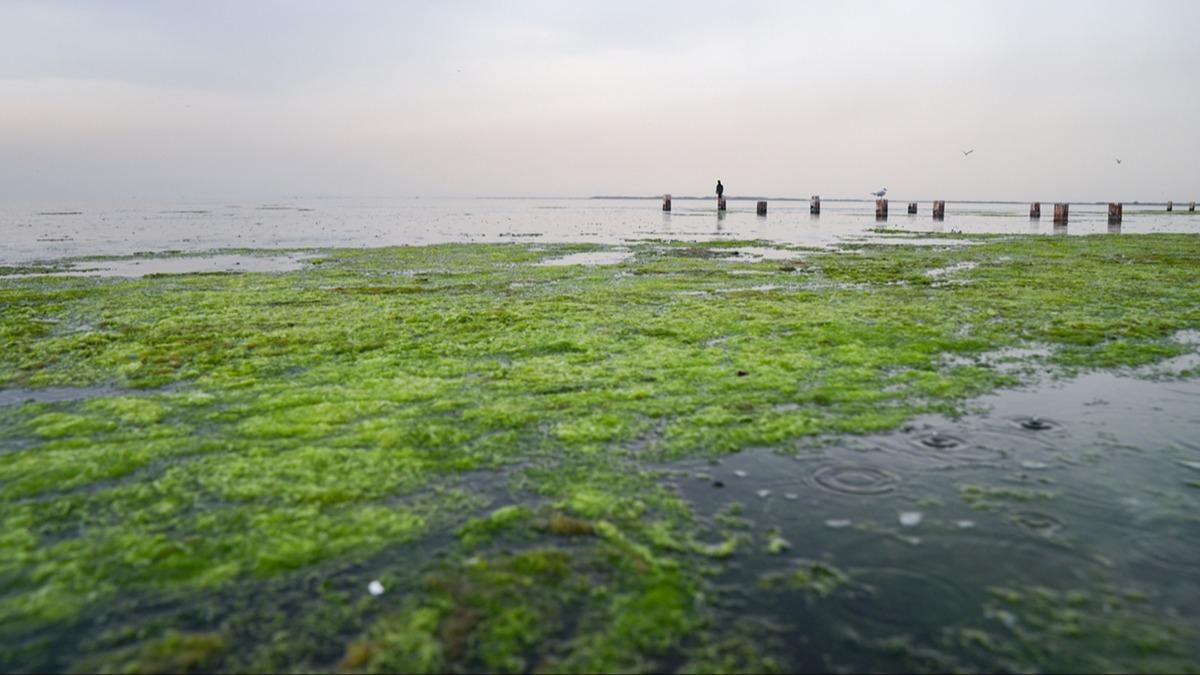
[720,190]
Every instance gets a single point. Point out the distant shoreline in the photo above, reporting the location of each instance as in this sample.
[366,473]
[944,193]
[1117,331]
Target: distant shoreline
[869,200]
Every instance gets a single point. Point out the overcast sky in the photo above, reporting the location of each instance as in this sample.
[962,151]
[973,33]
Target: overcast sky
[213,99]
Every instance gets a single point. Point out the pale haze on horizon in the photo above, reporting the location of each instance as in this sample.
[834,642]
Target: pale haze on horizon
[216,100]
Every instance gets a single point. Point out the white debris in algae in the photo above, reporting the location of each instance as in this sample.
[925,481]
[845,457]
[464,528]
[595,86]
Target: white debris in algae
[375,588]
[764,493]
[1192,465]
[838,523]
[911,518]
[739,473]
[965,524]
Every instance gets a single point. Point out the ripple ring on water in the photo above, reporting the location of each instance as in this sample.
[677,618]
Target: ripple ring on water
[940,441]
[1036,423]
[855,480]
[1041,523]
[908,597]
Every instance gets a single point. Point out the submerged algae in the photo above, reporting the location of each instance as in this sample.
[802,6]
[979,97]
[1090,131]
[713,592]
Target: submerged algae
[330,414]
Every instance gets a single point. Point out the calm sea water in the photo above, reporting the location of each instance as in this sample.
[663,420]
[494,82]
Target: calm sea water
[32,232]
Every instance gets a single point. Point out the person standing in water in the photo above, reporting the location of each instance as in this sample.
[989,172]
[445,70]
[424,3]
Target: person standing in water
[720,189]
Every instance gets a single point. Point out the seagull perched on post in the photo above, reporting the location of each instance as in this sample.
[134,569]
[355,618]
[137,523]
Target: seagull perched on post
[967,152]
[880,194]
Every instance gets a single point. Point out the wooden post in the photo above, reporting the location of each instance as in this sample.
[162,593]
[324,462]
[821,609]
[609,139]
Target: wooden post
[667,203]
[1061,211]
[1035,211]
[880,209]
[939,210]
[1114,228]
[720,203]
[1114,213]
[762,208]
[1192,206]
[814,205]
[912,208]
[1170,206]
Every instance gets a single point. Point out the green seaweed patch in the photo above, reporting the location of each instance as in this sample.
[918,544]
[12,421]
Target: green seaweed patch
[743,646]
[481,530]
[506,613]
[561,525]
[175,652]
[21,270]
[808,576]
[1079,630]
[722,549]
[731,516]
[777,545]
[986,497]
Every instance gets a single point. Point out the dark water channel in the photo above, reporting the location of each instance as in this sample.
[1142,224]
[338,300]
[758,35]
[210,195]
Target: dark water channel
[1038,534]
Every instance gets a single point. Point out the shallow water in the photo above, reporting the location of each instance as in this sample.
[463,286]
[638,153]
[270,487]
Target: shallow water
[54,394]
[59,394]
[192,264]
[1087,487]
[50,231]
[589,258]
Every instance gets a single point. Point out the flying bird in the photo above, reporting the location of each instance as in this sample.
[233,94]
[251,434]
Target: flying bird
[1118,159]
[967,152]
[881,193]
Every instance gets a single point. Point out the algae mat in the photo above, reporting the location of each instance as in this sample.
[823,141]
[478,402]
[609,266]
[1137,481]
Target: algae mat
[452,458]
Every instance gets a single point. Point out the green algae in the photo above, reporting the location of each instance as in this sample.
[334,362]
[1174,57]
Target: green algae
[173,653]
[1043,630]
[809,576]
[984,497]
[1102,631]
[387,397]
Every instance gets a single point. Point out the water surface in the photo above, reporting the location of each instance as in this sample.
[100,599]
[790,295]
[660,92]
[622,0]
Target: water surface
[1073,491]
[50,231]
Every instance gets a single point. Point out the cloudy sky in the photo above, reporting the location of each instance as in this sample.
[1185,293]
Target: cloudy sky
[225,99]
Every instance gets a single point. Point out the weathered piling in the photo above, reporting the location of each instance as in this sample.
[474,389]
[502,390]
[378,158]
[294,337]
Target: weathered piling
[720,203]
[1035,210]
[912,208]
[1170,206]
[1114,213]
[1114,228]
[1061,211]
[939,210]
[1192,206]
[880,209]
[667,203]
[762,208]
[814,205]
